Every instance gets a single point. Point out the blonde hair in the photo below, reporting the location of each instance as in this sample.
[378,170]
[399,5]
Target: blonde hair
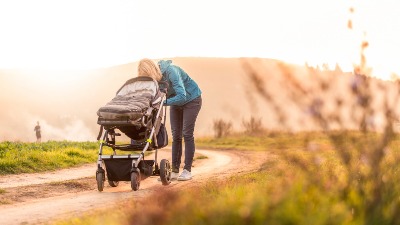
[148,68]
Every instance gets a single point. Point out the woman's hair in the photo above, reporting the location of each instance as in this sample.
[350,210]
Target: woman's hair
[148,68]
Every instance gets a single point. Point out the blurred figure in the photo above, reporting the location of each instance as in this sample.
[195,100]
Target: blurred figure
[38,133]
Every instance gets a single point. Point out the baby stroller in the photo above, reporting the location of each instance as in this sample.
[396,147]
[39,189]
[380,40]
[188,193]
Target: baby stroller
[137,111]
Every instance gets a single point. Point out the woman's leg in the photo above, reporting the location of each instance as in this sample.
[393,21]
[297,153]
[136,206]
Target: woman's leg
[190,113]
[176,129]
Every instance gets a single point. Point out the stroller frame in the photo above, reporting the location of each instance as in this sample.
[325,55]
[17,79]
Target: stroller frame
[139,168]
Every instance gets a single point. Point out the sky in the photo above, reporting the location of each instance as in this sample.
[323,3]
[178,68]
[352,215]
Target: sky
[87,34]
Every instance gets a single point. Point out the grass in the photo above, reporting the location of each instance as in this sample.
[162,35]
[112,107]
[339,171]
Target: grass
[304,181]
[2,191]
[21,157]
[201,157]
[18,157]
[71,184]
[262,142]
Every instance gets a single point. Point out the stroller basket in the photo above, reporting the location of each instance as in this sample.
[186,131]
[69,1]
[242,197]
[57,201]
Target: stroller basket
[120,169]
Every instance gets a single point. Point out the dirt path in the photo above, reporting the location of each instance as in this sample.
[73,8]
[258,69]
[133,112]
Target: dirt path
[38,198]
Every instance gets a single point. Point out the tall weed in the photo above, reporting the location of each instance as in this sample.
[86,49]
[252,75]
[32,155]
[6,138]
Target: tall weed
[367,181]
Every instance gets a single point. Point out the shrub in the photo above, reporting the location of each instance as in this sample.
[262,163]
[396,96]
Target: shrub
[252,126]
[222,128]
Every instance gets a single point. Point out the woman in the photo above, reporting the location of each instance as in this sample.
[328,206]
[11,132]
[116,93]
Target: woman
[184,99]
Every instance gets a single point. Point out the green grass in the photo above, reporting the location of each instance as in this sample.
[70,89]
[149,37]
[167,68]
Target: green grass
[262,142]
[18,157]
[201,157]
[21,157]
[308,178]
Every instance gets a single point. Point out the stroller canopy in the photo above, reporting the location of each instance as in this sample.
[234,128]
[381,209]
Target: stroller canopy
[139,85]
[132,99]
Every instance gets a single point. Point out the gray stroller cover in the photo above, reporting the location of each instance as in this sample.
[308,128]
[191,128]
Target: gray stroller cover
[132,100]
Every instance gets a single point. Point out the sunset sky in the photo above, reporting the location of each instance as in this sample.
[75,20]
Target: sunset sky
[85,34]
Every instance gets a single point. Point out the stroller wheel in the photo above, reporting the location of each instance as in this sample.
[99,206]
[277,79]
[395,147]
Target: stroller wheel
[100,181]
[135,181]
[113,183]
[165,172]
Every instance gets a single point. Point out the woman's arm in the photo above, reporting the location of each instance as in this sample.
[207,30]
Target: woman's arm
[178,86]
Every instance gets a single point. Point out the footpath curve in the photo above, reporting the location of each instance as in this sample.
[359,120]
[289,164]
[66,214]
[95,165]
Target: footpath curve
[36,210]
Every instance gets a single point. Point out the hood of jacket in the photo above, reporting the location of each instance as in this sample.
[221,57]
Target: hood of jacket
[164,64]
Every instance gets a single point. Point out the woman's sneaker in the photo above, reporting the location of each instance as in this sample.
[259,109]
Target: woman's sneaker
[185,175]
[173,176]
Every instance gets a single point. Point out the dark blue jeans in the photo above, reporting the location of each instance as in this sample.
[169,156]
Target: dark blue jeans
[183,119]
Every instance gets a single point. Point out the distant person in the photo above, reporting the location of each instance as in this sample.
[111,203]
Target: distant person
[184,99]
[38,133]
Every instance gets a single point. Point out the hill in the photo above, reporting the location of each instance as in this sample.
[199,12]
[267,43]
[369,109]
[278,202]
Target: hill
[66,105]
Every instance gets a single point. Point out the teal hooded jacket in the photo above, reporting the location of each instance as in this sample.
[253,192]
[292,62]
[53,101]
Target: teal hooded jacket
[182,89]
